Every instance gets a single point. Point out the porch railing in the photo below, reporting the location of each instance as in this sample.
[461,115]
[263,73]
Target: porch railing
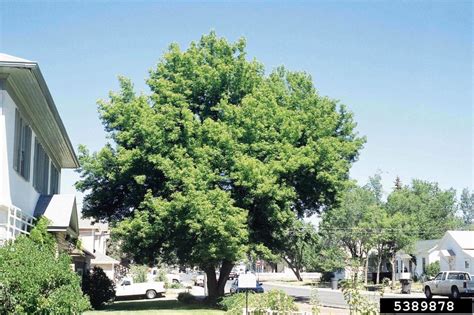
[13,222]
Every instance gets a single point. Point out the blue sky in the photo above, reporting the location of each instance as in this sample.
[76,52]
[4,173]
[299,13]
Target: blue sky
[404,68]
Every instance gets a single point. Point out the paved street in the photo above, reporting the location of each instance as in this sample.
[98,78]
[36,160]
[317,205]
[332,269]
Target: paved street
[328,297]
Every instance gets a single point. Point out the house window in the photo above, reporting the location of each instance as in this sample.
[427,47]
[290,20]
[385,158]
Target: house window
[466,264]
[22,147]
[54,180]
[423,264]
[41,169]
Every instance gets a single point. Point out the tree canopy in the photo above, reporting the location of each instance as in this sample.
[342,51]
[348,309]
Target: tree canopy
[217,158]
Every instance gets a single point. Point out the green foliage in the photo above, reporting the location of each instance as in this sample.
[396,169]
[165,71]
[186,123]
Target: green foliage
[274,300]
[98,287]
[139,273]
[314,301]
[174,286]
[39,234]
[358,303]
[433,269]
[161,277]
[217,158]
[300,247]
[349,225]
[35,280]
[466,205]
[430,209]
[186,298]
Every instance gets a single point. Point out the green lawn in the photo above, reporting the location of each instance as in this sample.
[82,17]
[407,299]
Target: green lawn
[157,306]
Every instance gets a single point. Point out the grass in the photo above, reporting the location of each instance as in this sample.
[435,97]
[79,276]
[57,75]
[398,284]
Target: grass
[157,306]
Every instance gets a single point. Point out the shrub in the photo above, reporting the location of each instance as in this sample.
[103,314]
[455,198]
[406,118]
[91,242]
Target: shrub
[433,269]
[186,298]
[174,285]
[139,273]
[98,287]
[36,280]
[274,300]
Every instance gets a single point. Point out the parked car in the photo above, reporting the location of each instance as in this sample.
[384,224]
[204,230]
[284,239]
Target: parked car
[199,280]
[233,275]
[234,288]
[149,289]
[450,283]
[172,278]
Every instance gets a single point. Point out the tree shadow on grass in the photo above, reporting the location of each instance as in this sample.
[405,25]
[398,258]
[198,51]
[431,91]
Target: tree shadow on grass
[156,304]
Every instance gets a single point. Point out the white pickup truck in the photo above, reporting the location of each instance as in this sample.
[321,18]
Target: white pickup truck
[450,283]
[149,289]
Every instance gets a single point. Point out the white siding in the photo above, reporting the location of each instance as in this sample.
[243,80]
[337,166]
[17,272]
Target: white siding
[14,189]
[458,261]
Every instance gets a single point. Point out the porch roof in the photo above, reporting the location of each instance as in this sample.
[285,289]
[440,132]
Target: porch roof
[61,210]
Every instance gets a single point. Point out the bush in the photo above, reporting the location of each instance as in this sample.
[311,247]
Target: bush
[174,285]
[36,280]
[274,300]
[98,287]
[433,269]
[186,298]
[139,273]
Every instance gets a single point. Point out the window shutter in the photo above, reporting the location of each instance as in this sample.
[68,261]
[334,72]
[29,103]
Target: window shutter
[36,165]
[27,152]
[16,145]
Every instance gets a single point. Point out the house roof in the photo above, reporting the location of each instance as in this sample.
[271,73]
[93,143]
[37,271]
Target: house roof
[12,59]
[90,224]
[61,210]
[447,253]
[465,239]
[426,246]
[103,259]
[26,86]
[469,252]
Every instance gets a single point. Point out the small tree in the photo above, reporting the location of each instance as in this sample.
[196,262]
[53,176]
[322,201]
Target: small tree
[98,287]
[433,269]
[300,246]
[139,273]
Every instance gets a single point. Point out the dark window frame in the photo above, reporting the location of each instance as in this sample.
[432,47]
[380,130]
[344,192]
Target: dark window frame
[54,180]
[41,169]
[22,147]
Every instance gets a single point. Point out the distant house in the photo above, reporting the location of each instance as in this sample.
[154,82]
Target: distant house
[424,253]
[456,251]
[94,238]
[34,148]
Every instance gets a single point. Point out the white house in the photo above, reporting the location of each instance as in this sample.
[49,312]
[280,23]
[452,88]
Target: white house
[456,251]
[424,253]
[34,148]
[94,238]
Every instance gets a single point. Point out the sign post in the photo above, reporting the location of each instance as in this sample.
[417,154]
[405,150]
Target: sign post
[247,281]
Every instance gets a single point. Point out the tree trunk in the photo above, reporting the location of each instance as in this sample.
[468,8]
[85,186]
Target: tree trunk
[224,272]
[379,262]
[392,262]
[212,291]
[366,268]
[294,269]
[215,287]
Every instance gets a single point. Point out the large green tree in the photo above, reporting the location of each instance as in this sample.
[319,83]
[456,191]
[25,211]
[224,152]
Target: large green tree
[431,209]
[352,226]
[218,158]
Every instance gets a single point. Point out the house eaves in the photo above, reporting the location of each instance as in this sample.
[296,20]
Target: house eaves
[25,84]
